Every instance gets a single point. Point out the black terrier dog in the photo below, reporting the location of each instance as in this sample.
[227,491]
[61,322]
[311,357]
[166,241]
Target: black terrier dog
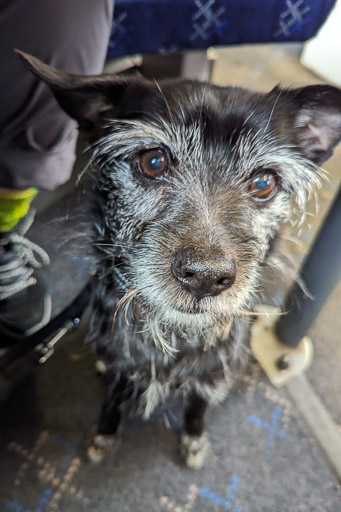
[193,182]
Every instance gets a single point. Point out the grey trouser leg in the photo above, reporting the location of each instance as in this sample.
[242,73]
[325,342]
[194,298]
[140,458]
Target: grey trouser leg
[37,140]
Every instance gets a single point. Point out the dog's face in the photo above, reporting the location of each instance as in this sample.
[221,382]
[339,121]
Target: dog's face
[201,178]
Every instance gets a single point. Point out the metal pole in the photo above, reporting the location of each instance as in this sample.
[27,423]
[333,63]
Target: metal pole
[320,273]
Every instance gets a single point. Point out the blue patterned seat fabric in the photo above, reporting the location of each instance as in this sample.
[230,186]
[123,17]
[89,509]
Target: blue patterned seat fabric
[168,26]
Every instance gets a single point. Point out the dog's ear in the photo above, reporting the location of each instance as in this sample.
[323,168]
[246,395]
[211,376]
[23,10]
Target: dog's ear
[317,119]
[85,98]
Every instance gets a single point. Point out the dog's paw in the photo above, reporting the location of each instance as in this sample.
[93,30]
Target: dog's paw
[101,447]
[193,450]
[100,367]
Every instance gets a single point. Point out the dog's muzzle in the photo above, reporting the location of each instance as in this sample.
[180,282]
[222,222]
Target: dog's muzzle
[201,274]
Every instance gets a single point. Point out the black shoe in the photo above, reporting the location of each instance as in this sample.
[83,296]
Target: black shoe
[25,302]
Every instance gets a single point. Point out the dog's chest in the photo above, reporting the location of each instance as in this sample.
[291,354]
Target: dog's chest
[127,347]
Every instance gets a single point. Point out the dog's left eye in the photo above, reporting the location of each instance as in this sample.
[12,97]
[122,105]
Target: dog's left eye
[263,185]
[153,163]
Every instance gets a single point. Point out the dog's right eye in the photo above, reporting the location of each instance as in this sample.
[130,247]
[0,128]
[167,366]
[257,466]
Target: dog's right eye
[153,163]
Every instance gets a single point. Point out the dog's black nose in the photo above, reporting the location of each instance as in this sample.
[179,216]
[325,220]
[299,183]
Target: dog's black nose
[203,275]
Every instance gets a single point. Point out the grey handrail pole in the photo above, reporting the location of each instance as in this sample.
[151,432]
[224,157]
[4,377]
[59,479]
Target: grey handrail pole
[320,273]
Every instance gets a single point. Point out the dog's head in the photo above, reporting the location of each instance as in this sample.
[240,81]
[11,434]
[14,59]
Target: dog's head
[200,178]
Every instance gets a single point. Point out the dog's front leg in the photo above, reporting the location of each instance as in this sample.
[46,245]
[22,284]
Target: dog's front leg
[194,443]
[109,421]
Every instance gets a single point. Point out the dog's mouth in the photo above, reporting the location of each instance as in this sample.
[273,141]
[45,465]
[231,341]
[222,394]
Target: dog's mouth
[189,311]
[195,307]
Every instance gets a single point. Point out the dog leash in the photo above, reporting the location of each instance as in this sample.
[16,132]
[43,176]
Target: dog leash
[38,348]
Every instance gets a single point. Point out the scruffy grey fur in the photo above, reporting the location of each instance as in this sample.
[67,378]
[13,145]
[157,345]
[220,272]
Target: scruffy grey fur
[147,327]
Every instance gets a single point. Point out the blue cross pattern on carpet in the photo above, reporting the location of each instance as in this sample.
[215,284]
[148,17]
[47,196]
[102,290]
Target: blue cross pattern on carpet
[227,503]
[68,464]
[273,428]
[64,468]
[15,506]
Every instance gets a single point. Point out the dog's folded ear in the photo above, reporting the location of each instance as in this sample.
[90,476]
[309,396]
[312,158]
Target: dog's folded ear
[85,98]
[317,119]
